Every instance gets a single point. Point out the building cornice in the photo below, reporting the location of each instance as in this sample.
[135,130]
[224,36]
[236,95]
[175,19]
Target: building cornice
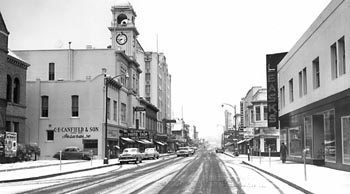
[17,62]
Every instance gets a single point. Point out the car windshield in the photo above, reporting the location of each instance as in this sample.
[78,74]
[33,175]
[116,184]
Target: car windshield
[149,150]
[130,150]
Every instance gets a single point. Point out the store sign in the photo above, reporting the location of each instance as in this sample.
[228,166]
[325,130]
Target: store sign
[272,88]
[76,132]
[134,134]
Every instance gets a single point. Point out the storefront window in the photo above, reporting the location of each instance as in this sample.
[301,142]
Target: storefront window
[308,136]
[329,136]
[346,139]
[294,141]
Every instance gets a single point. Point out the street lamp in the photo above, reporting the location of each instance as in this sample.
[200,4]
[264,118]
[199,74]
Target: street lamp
[107,81]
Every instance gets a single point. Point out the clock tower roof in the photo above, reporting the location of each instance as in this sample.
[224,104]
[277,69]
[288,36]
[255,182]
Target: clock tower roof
[122,3]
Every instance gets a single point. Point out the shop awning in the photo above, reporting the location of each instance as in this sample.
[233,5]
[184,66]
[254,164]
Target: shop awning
[243,140]
[146,141]
[140,141]
[128,139]
[229,144]
[160,143]
[117,147]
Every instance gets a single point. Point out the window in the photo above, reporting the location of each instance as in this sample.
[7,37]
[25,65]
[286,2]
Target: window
[44,106]
[51,71]
[308,135]
[75,106]
[9,89]
[265,113]
[115,110]
[329,136]
[295,141]
[283,97]
[123,112]
[291,93]
[257,113]
[304,81]
[108,108]
[50,135]
[123,72]
[251,116]
[148,90]
[8,126]
[341,54]
[345,126]
[300,84]
[16,91]
[334,61]
[316,72]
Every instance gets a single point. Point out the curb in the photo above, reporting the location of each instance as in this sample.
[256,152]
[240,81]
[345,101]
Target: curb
[38,166]
[279,178]
[56,174]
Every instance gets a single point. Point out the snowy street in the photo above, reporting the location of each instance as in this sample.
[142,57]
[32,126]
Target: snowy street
[204,172]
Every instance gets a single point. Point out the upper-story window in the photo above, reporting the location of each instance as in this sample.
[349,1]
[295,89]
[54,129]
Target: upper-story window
[115,110]
[338,65]
[257,113]
[265,113]
[291,91]
[123,72]
[316,72]
[75,106]
[9,88]
[283,96]
[302,82]
[16,91]
[334,61]
[51,71]
[44,106]
[123,112]
[341,54]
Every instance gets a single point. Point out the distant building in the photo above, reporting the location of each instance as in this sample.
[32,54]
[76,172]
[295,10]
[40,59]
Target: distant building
[314,85]
[257,134]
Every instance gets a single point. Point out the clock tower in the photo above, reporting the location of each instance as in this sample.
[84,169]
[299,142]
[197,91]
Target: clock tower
[123,30]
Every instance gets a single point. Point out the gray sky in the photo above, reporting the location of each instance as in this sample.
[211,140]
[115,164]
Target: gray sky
[215,49]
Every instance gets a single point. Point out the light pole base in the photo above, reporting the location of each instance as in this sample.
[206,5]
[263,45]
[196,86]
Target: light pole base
[105,160]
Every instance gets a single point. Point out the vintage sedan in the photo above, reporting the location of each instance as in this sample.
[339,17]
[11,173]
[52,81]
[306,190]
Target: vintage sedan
[151,153]
[73,153]
[183,151]
[130,155]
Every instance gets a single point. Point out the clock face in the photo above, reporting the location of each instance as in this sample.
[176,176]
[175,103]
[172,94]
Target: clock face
[121,38]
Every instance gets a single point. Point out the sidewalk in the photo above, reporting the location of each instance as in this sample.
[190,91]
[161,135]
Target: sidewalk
[32,170]
[319,180]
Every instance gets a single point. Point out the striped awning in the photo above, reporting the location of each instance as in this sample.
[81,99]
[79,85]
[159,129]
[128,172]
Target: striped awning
[160,143]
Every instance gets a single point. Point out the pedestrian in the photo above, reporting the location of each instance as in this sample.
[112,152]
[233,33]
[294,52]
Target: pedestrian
[283,152]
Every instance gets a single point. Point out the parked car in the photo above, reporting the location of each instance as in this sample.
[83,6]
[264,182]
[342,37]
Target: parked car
[73,153]
[184,151]
[130,155]
[151,153]
[219,150]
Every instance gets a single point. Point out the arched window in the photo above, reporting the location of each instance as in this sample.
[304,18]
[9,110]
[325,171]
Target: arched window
[9,88]
[122,19]
[16,91]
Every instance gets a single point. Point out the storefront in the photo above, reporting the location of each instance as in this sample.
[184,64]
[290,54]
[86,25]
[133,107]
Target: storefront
[266,140]
[322,130]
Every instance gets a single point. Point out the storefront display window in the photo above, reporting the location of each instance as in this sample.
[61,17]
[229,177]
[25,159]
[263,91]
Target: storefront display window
[329,136]
[294,141]
[308,136]
[346,139]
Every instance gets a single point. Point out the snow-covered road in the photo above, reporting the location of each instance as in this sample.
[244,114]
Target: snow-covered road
[204,172]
